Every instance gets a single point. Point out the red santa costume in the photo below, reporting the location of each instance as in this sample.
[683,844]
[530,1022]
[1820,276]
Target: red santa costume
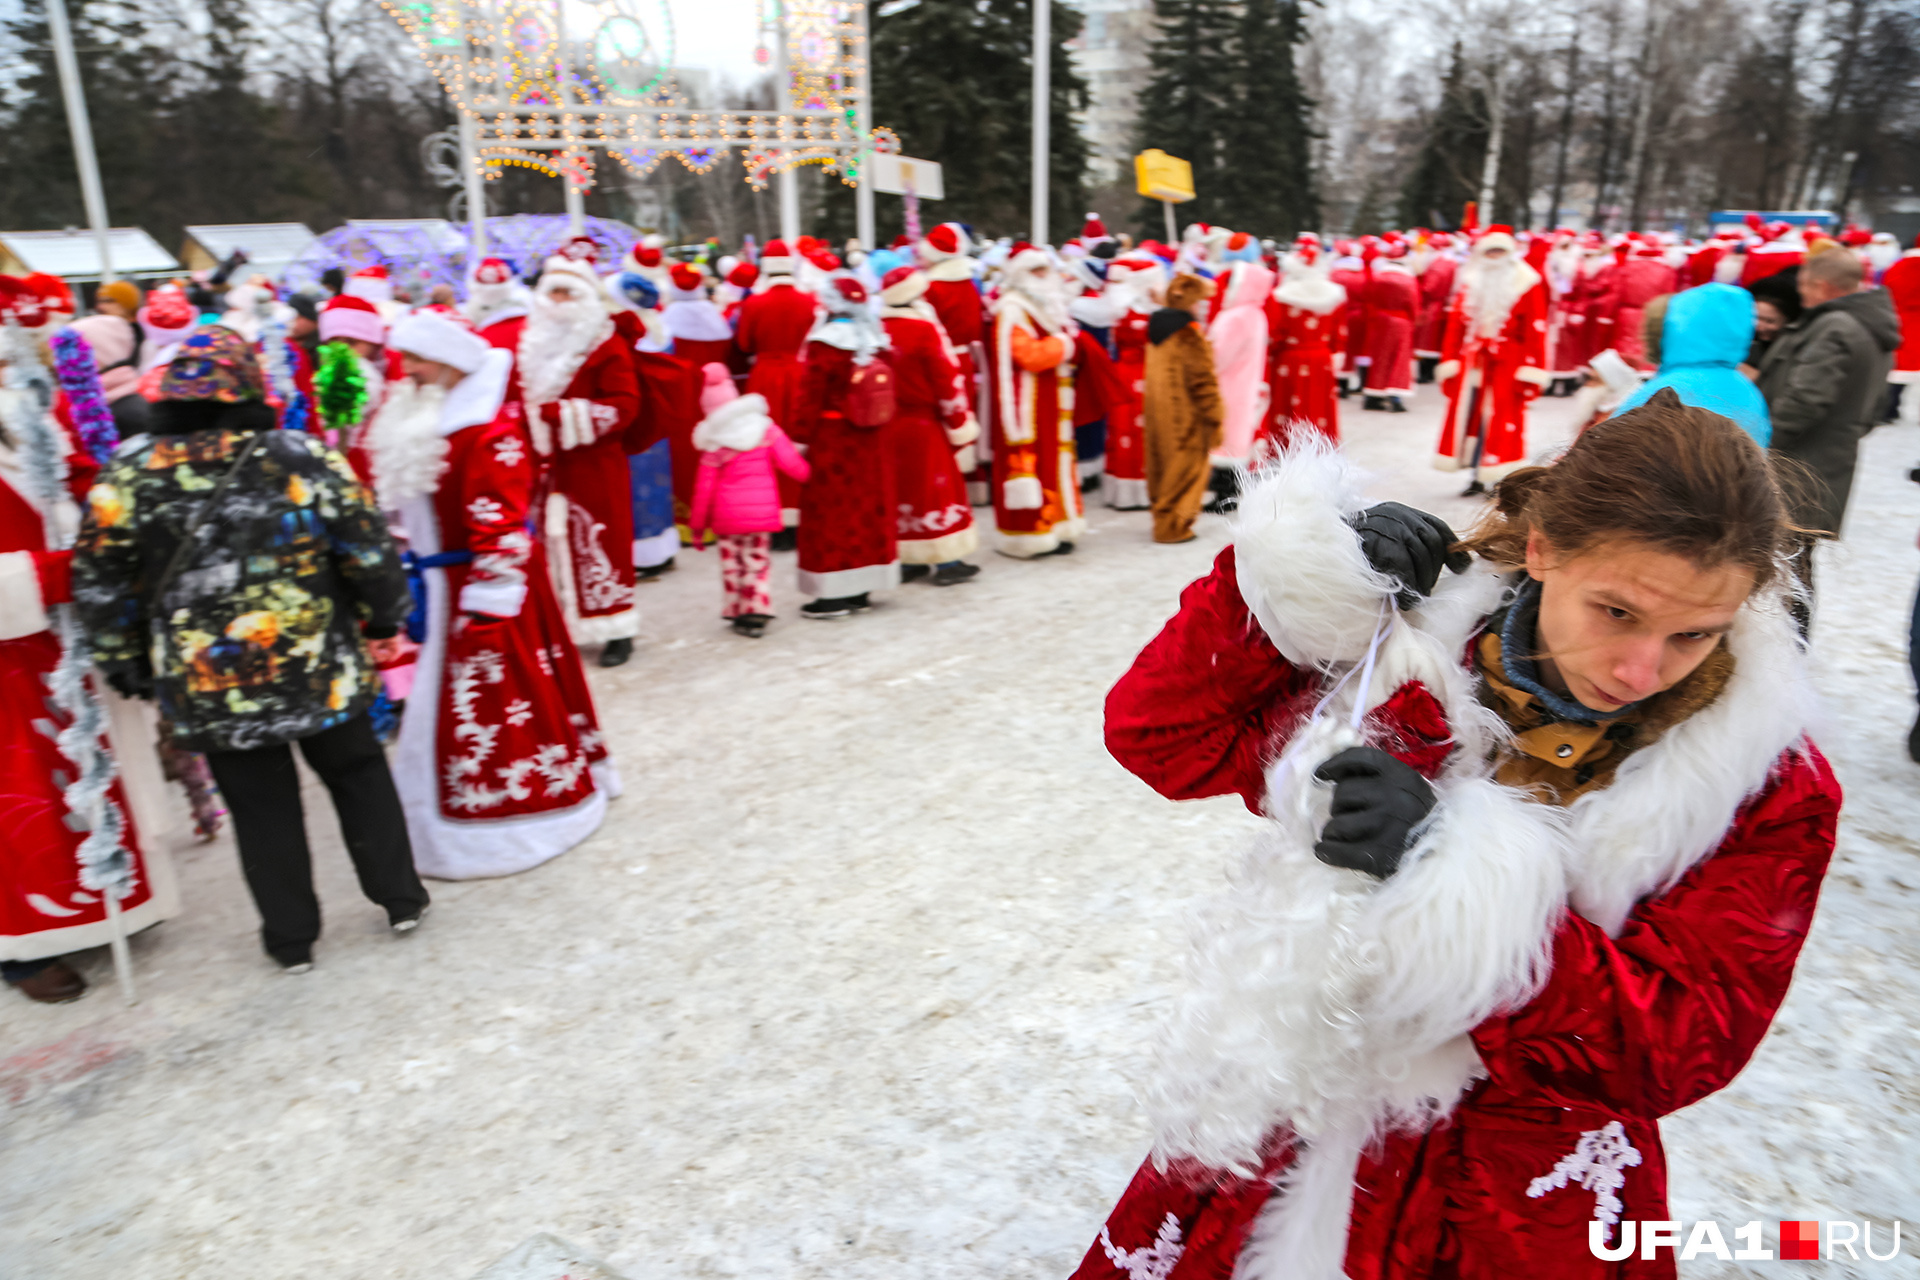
[1123,478]
[1437,268]
[1308,348]
[496,304]
[1477,1049]
[500,763]
[933,429]
[1349,272]
[848,543]
[701,335]
[49,905]
[956,300]
[1495,354]
[1036,485]
[1642,277]
[375,286]
[1779,248]
[576,379]
[1392,304]
[1564,357]
[1901,280]
[771,329]
[1238,336]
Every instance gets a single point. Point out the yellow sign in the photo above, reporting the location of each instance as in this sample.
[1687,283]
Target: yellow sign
[1160,176]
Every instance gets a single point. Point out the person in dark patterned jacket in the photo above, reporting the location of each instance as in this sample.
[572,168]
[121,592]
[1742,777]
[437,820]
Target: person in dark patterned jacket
[258,637]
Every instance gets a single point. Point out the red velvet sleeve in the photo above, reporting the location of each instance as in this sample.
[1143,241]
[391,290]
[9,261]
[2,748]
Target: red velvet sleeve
[1673,1008]
[1199,712]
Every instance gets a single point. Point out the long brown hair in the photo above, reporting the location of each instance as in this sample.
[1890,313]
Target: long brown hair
[1664,474]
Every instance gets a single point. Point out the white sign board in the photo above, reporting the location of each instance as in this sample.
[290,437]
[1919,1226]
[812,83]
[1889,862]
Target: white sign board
[894,174]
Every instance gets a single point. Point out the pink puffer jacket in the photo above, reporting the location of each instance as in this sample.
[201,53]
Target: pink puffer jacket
[736,491]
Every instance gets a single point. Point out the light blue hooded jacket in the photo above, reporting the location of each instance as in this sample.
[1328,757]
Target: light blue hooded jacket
[1707,333]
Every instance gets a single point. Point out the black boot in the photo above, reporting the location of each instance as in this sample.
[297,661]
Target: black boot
[954,572]
[1376,403]
[1427,365]
[752,625]
[652,572]
[785,540]
[615,652]
[1396,405]
[914,572]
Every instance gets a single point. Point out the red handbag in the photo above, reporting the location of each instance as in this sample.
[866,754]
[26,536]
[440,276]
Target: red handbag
[870,399]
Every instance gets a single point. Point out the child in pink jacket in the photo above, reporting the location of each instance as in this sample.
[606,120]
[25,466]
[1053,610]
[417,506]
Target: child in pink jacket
[737,495]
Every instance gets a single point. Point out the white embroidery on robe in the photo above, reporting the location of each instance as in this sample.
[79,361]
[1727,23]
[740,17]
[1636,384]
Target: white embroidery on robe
[1598,1163]
[1156,1261]
[559,764]
[508,451]
[601,590]
[485,510]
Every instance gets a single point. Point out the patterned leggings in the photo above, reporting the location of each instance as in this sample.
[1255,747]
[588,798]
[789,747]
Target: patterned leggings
[745,568]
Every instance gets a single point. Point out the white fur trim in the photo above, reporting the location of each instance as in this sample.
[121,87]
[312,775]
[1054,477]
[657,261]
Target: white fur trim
[1299,564]
[22,611]
[966,433]
[498,599]
[1538,377]
[1309,292]
[1022,493]
[476,399]
[1123,494]
[600,628]
[1446,370]
[740,424]
[406,448]
[965,459]
[837,584]
[951,546]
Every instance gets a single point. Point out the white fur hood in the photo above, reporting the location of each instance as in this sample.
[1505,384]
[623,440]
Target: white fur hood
[1337,1006]
[739,424]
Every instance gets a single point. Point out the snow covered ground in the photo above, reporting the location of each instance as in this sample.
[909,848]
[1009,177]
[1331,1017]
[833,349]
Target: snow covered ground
[855,979]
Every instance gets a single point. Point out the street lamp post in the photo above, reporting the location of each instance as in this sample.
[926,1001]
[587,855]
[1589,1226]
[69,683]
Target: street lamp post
[82,131]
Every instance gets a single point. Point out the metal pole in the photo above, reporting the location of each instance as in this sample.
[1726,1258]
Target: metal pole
[476,191]
[1042,99]
[82,131]
[783,102]
[1173,234]
[863,124]
[576,198]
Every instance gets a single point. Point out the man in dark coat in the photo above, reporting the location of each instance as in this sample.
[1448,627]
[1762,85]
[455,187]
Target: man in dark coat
[1823,378]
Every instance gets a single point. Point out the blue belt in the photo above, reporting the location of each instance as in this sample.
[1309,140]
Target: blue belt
[416,567]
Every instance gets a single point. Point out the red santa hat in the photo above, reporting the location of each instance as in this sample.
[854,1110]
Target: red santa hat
[686,281]
[168,316]
[493,271]
[21,303]
[350,317]
[581,271]
[647,256]
[743,276]
[433,336]
[902,285]
[901,241]
[1024,257]
[941,243]
[1093,229]
[824,259]
[53,293]
[1497,236]
[370,283]
[580,249]
[777,259]
[1164,252]
[851,291]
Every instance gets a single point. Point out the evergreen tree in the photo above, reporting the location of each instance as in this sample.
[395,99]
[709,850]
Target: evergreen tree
[954,79]
[1187,105]
[1266,179]
[1447,174]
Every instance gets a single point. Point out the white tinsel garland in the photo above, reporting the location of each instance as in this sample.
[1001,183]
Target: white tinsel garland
[105,866]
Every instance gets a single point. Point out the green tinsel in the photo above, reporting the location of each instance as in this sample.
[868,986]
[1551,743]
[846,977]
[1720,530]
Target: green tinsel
[340,385]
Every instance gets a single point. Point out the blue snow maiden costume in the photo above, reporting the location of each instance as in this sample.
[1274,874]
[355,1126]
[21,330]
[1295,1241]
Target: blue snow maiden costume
[1706,335]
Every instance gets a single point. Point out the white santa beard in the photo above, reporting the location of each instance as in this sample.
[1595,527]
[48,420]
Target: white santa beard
[1045,300]
[557,340]
[404,444]
[1491,289]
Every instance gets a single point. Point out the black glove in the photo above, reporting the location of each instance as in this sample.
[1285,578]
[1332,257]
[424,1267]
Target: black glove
[1377,802]
[1409,545]
[131,684]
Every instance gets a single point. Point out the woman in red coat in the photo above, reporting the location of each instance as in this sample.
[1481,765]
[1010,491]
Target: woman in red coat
[1561,890]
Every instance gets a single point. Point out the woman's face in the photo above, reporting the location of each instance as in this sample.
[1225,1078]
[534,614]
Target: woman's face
[1624,620]
[1766,320]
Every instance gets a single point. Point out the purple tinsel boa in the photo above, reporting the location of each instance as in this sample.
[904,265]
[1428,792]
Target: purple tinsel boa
[73,366]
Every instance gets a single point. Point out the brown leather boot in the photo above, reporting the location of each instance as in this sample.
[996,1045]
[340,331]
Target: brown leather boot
[55,984]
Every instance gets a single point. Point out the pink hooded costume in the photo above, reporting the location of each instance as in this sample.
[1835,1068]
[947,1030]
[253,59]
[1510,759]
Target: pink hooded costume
[735,492]
[1239,338]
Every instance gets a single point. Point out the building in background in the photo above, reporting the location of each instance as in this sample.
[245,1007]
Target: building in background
[1111,52]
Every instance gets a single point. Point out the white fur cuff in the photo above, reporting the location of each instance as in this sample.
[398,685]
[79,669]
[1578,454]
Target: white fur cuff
[22,612]
[966,433]
[495,599]
[1299,563]
[1447,370]
[1023,493]
[1538,377]
[966,458]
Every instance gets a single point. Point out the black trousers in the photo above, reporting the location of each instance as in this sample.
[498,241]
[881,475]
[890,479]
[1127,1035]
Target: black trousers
[262,791]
